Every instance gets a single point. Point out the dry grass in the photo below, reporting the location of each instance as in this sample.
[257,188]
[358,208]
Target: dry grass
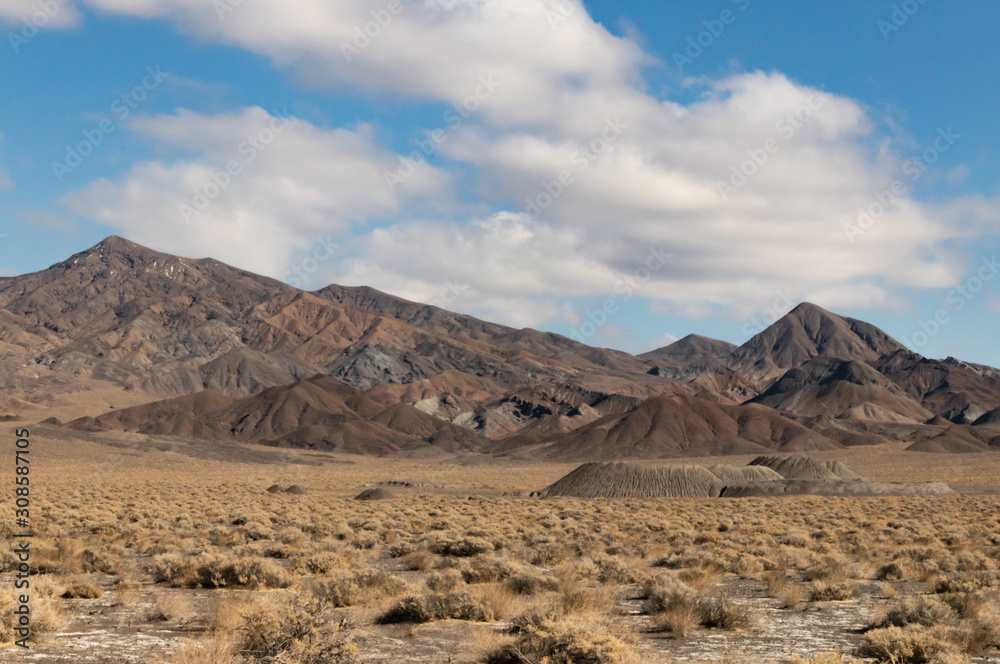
[322,563]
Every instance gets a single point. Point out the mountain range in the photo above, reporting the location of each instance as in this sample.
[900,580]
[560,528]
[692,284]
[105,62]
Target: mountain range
[211,352]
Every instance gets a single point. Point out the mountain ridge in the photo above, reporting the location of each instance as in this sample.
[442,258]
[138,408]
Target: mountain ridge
[202,344]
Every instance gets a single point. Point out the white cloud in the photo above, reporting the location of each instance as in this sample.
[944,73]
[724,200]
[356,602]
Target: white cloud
[543,65]
[294,185]
[38,14]
[655,187]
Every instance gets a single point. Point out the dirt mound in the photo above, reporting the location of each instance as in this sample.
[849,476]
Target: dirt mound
[672,426]
[274,488]
[375,494]
[744,474]
[623,480]
[956,439]
[797,468]
[843,472]
[296,490]
[821,488]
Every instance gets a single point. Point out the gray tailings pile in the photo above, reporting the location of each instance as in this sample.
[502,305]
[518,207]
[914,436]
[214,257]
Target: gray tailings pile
[765,476]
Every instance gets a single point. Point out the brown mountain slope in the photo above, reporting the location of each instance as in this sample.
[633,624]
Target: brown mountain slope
[321,412]
[190,416]
[959,439]
[168,326]
[957,391]
[804,333]
[684,426]
[690,356]
[841,389]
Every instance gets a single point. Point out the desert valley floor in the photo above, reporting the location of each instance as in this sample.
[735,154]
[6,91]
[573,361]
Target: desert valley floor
[171,551]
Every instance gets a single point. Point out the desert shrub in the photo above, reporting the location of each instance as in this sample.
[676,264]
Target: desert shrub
[724,613]
[547,555]
[576,599]
[444,581]
[46,615]
[824,591]
[548,639]
[323,562]
[339,592]
[676,607]
[794,538]
[528,583]
[748,566]
[916,610]
[489,569]
[294,630]
[104,560]
[210,571]
[679,619]
[912,644]
[611,569]
[209,651]
[964,583]
[980,626]
[82,591]
[7,619]
[667,592]
[829,568]
[401,549]
[895,570]
[421,560]
[464,547]
[438,606]
[169,568]
[387,585]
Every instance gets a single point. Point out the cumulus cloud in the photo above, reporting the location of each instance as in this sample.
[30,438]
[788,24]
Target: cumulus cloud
[547,55]
[590,210]
[251,188]
[760,184]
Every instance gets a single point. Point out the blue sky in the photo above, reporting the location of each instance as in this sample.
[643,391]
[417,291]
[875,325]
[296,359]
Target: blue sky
[629,125]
